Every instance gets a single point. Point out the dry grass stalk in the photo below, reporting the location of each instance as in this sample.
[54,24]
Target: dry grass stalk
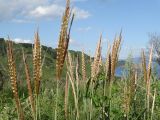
[63,43]
[112,58]
[70,65]
[115,53]
[129,92]
[100,63]
[63,40]
[66,98]
[83,67]
[13,78]
[133,84]
[77,74]
[150,63]
[97,57]
[107,58]
[144,66]
[153,103]
[71,79]
[28,79]
[74,93]
[37,63]
[77,83]
[148,79]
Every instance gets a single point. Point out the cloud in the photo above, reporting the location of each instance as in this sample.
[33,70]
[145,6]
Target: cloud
[27,10]
[15,8]
[48,12]
[85,29]
[53,11]
[80,13]
[19,40]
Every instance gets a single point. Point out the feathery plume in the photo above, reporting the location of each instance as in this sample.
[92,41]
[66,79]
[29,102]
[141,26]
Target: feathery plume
[148,85]
[115,52]
[63,40]
[144,66]
[37,62]
[13,78]
[95,64]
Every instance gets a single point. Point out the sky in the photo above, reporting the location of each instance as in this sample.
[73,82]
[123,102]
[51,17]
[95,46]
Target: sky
[137,18]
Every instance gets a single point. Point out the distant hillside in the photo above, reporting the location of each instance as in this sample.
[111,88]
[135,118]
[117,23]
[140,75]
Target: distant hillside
[48,58]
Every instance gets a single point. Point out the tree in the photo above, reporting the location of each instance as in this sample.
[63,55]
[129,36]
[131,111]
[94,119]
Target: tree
[154,39]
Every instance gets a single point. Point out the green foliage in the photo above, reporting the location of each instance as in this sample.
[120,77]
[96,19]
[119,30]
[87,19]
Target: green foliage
[97,98]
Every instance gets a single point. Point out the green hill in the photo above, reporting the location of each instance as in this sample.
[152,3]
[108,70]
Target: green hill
[48,60]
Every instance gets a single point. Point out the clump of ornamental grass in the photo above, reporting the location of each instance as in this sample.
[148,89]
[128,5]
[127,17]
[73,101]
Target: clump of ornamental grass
[36,74]
[115,54]
[63,43]
[13,78]
[129,94]
[37,70]
[37,63]
[144,67]
[111,62]
[70,74]
[112,58]
[95,64]
[95,69]
[147,78]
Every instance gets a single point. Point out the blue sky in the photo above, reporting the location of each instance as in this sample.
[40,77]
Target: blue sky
[20,18]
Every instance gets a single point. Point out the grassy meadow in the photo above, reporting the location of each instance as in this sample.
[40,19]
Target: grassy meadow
[41,83]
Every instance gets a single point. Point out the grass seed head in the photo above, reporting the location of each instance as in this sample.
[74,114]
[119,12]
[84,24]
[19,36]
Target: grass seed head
[13,78]
[37,63]
[63,42]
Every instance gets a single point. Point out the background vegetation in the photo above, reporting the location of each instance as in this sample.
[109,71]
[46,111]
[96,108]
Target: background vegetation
[41,83]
